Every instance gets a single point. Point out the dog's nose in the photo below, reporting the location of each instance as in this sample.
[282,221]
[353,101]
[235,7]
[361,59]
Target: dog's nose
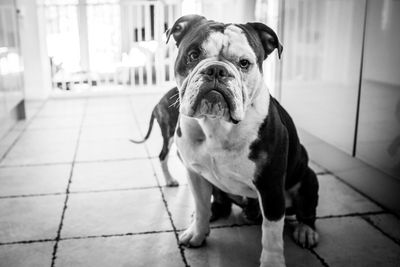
[216,71]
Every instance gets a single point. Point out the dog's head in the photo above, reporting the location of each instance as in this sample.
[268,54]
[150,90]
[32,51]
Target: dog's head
[219,66]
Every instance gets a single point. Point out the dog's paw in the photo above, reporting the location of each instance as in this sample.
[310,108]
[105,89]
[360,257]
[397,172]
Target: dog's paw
[305,236]
[273,264]
[268,260]
[172,183]
[193,237]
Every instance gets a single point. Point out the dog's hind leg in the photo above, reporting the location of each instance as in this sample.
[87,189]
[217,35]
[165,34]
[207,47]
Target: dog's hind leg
[221,205]
[305,204]
[164,154]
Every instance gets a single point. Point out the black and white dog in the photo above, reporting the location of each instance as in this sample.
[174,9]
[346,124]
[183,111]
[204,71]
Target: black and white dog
[166,112]
[232,134]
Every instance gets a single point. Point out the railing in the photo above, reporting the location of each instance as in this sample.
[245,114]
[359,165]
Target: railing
[109,42]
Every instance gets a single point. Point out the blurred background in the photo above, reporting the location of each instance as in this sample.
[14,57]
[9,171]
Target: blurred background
[338,77]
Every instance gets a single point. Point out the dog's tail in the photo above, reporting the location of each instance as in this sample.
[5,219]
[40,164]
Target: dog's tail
[148,131]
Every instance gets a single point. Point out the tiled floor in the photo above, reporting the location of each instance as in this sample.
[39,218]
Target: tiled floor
[75,192]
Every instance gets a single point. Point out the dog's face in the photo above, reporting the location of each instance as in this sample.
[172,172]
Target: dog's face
[219,66]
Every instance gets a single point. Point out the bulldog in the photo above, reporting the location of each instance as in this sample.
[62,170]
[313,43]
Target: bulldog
[233,134]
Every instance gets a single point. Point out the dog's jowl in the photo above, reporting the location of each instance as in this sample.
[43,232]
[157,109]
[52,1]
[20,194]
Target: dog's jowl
[235,136]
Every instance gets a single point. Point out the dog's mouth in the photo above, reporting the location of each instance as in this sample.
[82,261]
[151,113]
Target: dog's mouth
[213,103]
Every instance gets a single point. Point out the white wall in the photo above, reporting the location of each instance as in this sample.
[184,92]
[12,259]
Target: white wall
[33,47]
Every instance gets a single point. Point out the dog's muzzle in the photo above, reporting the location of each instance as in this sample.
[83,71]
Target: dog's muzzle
[215,98]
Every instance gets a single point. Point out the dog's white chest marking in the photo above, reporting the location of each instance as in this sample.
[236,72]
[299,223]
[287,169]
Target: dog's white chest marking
[219,157]
[218,150]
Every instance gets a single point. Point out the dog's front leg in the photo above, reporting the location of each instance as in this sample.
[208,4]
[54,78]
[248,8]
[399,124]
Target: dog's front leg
[270,191]
[197,232]
[272,204]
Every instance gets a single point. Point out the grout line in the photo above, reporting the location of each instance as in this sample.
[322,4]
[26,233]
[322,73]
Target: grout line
[321,260]
[355,214]
[33,195]
[320,173]
[27,242]
[87,191]
[54,254]
[373,224]
[33,164]
[115,235]
[23,130]
[78,161]
[84,237]
[180,247]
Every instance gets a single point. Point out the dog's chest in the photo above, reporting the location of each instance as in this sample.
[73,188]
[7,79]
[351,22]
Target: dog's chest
[219,157]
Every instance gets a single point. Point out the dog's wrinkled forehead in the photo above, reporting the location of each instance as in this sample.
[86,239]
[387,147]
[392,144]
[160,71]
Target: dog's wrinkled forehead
[231,43]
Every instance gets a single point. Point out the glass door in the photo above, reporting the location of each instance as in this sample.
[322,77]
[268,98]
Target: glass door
[378,139]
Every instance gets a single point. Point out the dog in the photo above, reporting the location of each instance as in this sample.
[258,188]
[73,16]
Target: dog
[232,134]
[166,113]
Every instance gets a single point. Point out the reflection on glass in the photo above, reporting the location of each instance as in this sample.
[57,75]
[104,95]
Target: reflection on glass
[10,61]
[321,67]
[378,141]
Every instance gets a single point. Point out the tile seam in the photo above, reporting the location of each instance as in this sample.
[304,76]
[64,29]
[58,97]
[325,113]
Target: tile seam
[55,248]
[374,225]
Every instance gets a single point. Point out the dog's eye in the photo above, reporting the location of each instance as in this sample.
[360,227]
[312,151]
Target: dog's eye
[244,63]
[194,55]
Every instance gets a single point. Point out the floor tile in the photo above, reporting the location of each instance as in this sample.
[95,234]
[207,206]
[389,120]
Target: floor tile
[55,123]
[353,242]
[113,175]
[117,212]
[110,150]
[241,246]
[30,218]
[44,137]
[336,198]
[109,119]
[63,108]
[388,224]
[36,154]
[113,105]
[99,133]
[32,255]
[34,179]
[137,250]
[43,146]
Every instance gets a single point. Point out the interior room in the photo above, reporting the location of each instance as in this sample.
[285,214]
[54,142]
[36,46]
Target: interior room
[79,80]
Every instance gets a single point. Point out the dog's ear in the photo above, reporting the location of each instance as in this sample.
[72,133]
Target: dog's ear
[181,27]
[268,38]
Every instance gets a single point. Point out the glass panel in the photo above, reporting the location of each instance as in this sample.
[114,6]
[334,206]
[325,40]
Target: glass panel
[378,141]
[321,67]
[10,60]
